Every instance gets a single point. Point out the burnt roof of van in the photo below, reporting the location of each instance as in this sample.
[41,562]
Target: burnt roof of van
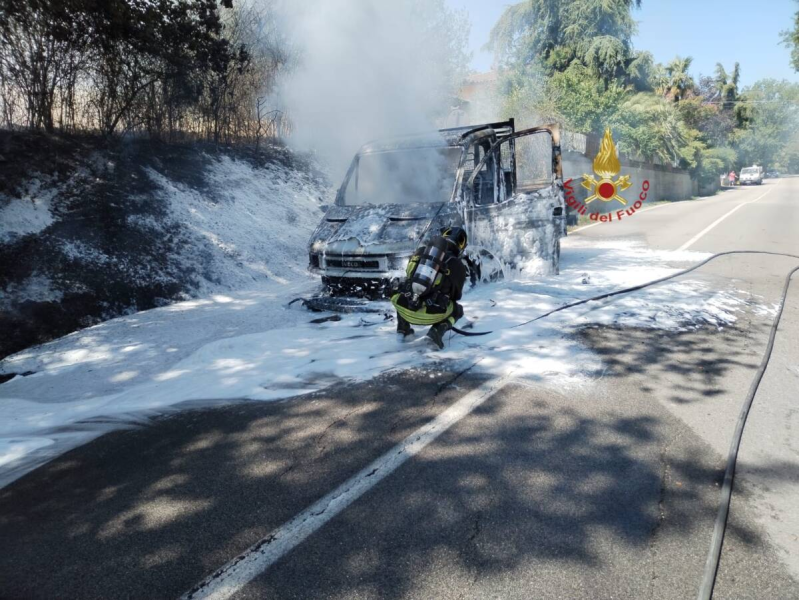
[442,138]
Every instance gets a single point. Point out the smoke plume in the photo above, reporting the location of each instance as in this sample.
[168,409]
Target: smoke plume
[367,69]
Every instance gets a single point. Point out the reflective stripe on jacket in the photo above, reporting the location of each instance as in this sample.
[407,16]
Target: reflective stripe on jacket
[420,316]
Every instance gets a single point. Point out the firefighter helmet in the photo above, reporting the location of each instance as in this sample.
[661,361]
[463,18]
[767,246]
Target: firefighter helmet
[455,236]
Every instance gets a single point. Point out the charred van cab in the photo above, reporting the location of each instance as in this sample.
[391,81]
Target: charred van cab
[504,187]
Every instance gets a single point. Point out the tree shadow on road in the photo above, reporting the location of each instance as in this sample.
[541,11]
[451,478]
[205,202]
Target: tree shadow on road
[696,364]
[532,482]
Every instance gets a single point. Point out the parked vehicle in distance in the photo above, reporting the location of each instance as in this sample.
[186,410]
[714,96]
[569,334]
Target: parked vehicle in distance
[773,175]
[751,175]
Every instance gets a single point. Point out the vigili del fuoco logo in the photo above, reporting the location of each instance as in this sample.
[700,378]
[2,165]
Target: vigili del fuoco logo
[606,167]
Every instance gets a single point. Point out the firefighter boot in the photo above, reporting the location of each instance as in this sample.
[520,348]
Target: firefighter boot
[403,327]
[437,331]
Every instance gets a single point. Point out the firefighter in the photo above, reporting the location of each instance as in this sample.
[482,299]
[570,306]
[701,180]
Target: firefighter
[434,284]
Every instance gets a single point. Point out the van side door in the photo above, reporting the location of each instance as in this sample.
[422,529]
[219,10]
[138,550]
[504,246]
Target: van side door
[527,218]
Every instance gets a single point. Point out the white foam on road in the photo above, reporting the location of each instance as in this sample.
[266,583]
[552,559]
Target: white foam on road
[251,345]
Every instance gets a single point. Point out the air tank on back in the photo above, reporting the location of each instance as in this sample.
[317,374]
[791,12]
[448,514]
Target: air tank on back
[431,262]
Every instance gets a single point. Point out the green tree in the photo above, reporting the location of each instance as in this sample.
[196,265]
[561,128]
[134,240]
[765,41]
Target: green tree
[113,52]
[788,160]
[650,126]
[526,31]
[678,82]
[527,95]
[174,47]
[642,72]
[556,33]
[585,103]
[570,59]
[773,118]
[790,38]
[713,162]
[703,112]
[727,85]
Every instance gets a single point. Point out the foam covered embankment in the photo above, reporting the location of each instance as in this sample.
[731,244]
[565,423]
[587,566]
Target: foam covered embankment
[92,229]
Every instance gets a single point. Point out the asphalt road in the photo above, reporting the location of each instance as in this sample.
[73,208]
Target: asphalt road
[600,491]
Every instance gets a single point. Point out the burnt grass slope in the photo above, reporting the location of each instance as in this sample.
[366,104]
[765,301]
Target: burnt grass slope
[112,247]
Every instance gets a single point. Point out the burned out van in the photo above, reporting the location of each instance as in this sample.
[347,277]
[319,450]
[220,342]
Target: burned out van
[504,187]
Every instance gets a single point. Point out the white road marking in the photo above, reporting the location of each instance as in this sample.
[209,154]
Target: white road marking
[699,235]
[258,558]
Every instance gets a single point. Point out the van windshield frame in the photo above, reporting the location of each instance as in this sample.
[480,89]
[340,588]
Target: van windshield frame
[402,176]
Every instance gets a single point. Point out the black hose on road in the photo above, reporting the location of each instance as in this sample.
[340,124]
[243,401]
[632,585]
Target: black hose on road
[470,333]
[720,524]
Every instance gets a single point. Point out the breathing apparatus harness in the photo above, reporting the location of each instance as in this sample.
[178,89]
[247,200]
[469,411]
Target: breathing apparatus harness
[428,270]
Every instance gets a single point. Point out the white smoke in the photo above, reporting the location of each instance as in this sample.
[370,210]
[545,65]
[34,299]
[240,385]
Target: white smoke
[368,69]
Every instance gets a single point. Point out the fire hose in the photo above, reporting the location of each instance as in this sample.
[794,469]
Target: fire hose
[720,523]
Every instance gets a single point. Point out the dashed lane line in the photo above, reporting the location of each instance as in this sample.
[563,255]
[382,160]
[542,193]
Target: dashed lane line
[707,229]
[232,577]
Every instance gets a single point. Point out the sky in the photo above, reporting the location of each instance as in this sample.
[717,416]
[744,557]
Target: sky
[710,31]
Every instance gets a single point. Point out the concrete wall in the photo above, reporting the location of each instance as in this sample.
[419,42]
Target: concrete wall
[665,182]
